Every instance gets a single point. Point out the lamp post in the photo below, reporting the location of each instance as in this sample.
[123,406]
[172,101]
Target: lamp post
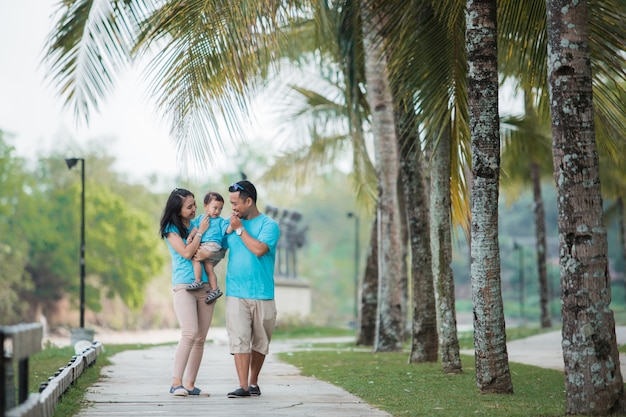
[520,248]
[71,162]
[356,265]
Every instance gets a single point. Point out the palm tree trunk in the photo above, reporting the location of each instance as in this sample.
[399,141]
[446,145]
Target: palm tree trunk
[622,236]
[369,293]
[540,231]
[424,346]
[441,248]
[404,255]
[492,366]
[391,316]
[593,380]
[415,209]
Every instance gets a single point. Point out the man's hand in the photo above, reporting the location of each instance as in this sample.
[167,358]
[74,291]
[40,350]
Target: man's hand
[235,221]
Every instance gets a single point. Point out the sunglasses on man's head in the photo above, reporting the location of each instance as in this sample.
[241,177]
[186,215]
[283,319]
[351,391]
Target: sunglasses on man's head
[234,187]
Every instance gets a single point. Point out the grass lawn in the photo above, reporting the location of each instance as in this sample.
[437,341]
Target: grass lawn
[388,382]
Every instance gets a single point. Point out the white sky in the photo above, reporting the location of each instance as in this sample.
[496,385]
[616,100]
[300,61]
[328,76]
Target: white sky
[31,112]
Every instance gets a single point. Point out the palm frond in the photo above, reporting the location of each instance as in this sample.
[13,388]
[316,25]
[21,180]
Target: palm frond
[88,47]
[427,61]
[211,60]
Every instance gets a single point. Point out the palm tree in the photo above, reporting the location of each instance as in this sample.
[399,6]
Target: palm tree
[522,45]
[613,186]
[441,245]
[492,367]
[424,346]
[526,158]
[366,334]
[589,345]
[428,65]
[206,60]
[390,320]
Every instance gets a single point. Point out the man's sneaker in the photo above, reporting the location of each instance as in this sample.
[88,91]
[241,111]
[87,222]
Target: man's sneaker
[195,286]
[255,390]
[213,295]
[239,393]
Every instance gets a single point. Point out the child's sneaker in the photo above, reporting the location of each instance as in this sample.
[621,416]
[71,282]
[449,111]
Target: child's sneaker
[213,295]
[195,286]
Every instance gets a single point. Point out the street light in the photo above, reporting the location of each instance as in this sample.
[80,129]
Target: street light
[356,265]
[519,247]
[71,162]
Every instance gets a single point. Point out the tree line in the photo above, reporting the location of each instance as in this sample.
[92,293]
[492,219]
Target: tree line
[40,210]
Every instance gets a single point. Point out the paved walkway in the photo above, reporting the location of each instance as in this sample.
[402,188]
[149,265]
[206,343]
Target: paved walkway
[137,382]
[544,350]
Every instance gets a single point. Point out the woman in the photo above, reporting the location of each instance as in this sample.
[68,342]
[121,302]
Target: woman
[194,315]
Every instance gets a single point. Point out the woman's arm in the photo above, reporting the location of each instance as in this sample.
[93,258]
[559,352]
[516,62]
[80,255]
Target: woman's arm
[192,234]
[188,250]
[185,250]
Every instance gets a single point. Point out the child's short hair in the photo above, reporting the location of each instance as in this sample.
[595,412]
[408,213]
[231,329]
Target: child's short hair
[213,196]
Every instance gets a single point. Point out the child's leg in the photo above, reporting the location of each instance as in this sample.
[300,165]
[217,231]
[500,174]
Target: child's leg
[197,270]
[208,267]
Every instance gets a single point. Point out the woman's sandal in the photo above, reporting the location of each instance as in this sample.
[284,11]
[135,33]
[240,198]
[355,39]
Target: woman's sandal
[179,391]
[195,286]
[197,391]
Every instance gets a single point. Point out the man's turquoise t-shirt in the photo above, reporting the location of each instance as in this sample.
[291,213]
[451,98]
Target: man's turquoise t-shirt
[182,268]
[247,275]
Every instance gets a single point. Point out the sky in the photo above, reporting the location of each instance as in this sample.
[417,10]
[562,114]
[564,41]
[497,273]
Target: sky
[31,112]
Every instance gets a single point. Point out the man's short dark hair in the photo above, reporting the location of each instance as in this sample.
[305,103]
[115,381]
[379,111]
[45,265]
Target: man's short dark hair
[246,189]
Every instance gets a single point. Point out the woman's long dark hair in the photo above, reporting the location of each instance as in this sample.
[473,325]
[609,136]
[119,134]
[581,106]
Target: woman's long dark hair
[171,214]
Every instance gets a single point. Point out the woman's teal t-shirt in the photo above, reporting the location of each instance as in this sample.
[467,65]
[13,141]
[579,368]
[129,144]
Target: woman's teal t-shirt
[182,268]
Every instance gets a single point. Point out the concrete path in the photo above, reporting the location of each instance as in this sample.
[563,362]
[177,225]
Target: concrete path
[138,381]
[137,384]
[544,350]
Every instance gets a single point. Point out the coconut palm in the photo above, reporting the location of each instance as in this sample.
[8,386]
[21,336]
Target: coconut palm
[526,159]
[441,244]
[492,370]
[589,345]
[431,65]
[614,188]
[390,320]
[205,60]
[527,51]
[424,344]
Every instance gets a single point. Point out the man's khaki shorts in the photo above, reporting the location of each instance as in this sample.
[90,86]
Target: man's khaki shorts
[250,324]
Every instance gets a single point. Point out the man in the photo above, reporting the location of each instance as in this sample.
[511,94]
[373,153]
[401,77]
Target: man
[250,305]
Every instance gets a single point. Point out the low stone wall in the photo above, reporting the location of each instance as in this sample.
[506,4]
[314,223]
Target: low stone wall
[293,299]
[43,404]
